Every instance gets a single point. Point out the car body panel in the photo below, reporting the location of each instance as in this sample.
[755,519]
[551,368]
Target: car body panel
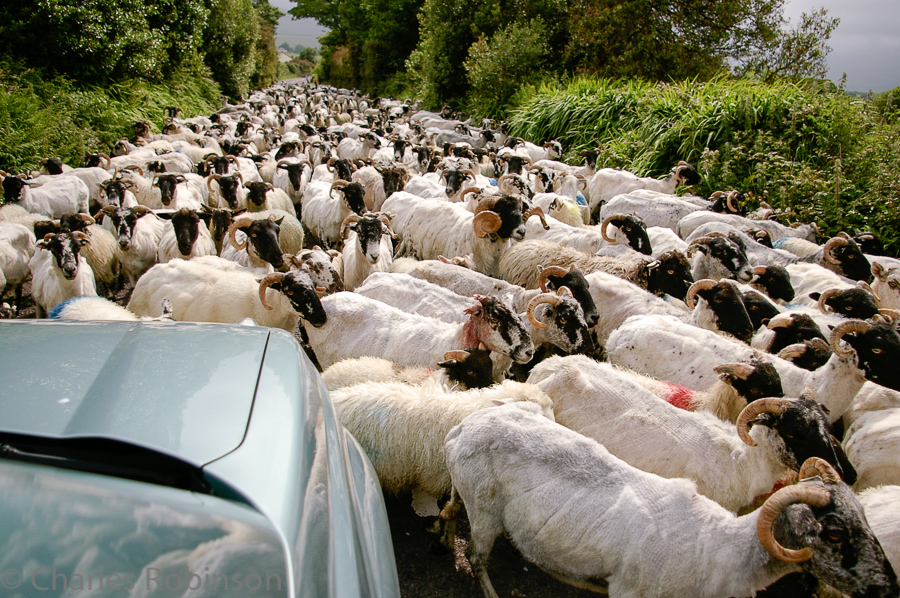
[293,463]
[187,395]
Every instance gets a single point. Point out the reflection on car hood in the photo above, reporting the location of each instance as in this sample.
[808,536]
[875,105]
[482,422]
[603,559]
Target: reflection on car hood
[183,389]
[68,533]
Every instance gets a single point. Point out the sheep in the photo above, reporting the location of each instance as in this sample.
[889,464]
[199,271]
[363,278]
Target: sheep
[839,254]
[609,182]
[880,505]
[353,149]
[383,417]
[229,192]
[583,515]
[367,249]
[290,234]
[690,222]
[655,209]
[460,370]
[430,228]
[322,214]
[58,196]
[718,256]
[872,444]
[254,244]
[212,289]
[668,274]
[101,253]
[139,232]
[12,212]
[552,318]
[17,246]
[730,466]
[186,238]
[100,308]
[58,272]
[175,192]
[691,353]
[886,285]
[264,196]
[360,326]
[319,263]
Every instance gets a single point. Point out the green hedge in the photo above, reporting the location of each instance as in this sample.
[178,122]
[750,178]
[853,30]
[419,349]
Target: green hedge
[811,151]
[41,119]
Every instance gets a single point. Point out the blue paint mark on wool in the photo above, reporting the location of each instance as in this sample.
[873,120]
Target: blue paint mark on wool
[54,313]
[580,199]
[493,182]
[779,242]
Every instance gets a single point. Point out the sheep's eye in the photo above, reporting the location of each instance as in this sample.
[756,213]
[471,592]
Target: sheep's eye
[253,234]
[835,535]
[671,271]
[877,351]
[849,308]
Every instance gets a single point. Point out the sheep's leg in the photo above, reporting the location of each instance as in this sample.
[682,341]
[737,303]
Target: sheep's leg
[447,520]
[484,530]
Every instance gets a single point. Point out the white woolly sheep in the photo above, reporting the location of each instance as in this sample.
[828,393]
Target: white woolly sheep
[583,515]
[58,272]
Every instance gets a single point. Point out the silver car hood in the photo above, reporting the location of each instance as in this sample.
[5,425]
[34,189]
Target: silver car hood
[148,384]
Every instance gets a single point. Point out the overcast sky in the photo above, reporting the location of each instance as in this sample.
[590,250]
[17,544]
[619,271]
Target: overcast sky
[866,44]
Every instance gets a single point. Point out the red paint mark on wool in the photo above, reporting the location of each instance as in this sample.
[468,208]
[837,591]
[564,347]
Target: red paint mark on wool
[469,338]
[679,396]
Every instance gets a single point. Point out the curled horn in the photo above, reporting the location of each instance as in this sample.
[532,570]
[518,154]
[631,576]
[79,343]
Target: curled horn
[550,298]
[582,181]
[782,320]
[457,355]
[830,247]
[738,370]
[265,283]
[486,222]
[799,493]
[846,328]
[704,240]
[141,210]
[232,230]
[793,351]
[86,218]
[504,179]
[892,314]
[816,466]
[605,224]
[330,164]
[468,173]
[210,179]
[134,166]
[824,297]
[770,405]
[700,285]
[385,219]
[730,201]
[546,273]
[340,184]
[464,192]
[347,222]
[107,158]
[536,211]
[759,270]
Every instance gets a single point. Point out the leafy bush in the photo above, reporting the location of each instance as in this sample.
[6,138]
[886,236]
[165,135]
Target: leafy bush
[42,118]
[497,66]
[812,152]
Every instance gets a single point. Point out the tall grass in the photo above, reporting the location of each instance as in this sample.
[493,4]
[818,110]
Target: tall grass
[41,119]
[812,152]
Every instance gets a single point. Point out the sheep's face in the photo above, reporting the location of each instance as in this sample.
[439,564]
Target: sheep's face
[854,265]
[726,303]
[228,186]
[759,308]
[256,192]
[723,257]
[763,381]
[323,273]
[186,224]
[493,323]
[13,189]
[300,290]
[263,237]
[775,282]
[167,184]
[846,553]
[295,173]
[801,328]
[878,353]
[510,211]
[635,231]
[454,179]
[851,303]
[369,231]
[803,432]
[113,190]
[472,371]
[581,290]
[566,327]
[670,274]
[65,248]
[124,220]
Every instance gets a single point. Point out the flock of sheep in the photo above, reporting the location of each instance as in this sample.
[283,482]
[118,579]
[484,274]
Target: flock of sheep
[650,394]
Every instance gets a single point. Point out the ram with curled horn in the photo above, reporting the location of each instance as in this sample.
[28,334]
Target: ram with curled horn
[263,250]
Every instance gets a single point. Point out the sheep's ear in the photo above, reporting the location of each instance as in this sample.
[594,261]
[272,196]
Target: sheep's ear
[500,402]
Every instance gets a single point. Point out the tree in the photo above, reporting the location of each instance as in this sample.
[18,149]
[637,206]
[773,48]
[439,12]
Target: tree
[792,53]
[229,43]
